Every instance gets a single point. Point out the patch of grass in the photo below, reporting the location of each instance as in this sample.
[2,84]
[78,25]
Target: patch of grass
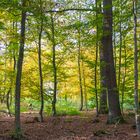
[3,107]
[70,112]
[66,108]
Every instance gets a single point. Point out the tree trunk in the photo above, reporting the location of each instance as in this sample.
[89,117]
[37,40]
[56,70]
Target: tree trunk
[9,93]
[103,85]
[114,46]
[120,49]
[124,77]
[19,74]
[110,74]
[5,79]
[96,61]
[79,65]
[54,69]
[79,71]
[40,72]
[95,78]
[84,86]
[8,101]
[136,69]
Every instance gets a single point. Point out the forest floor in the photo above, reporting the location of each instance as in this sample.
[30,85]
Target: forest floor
[83,127]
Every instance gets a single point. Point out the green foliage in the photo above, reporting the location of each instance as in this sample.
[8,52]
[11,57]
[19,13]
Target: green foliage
[128,103]
[92,103]
[63,107]
[66,108]
[2,26]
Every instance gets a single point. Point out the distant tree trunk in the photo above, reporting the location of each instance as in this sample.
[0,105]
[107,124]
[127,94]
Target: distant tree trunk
[113,95]
[5,79]
[79,71]
[95,76]
[95,80]
[65,87]
[14,66]
[54,68]
[79,65]
[40,71]
[84,86]
[14,70]
[96,58]
[66,98]
[136,69]
[9,91]
[19,73]
[120,49]
[124,77]
[8,101]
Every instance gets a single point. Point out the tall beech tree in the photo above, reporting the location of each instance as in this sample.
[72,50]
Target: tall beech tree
[96,62]
[120,46]
[84,86]
[110,74]
[136,69]
[103,87]
[19,72]
[79,66]
[123,79]
[54,66]
[40,63]
[80,74]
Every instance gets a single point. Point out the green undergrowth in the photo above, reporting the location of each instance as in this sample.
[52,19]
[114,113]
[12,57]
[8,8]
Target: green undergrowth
[62,107]
[66,108]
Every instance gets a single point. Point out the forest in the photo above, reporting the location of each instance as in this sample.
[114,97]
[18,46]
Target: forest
[69,69]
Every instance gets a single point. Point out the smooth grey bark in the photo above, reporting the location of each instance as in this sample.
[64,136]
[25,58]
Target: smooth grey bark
[110,73]
[8,101]
[120,49]
[79,71]
[135,58]
[84,86]
[103,85]
[114,46]
[14,70]
[9,93]
[80,66]
[95,82]
[96,61]
[12,58]
[136,70]
[40,72]
[124,79]
[40,63]
[14,66]
[19,73]
[54,67]
[103,109]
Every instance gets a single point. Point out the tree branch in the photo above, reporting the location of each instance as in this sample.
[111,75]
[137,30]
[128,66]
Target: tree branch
[71,9]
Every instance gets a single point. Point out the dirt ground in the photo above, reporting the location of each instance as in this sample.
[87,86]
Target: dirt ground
[82,127]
